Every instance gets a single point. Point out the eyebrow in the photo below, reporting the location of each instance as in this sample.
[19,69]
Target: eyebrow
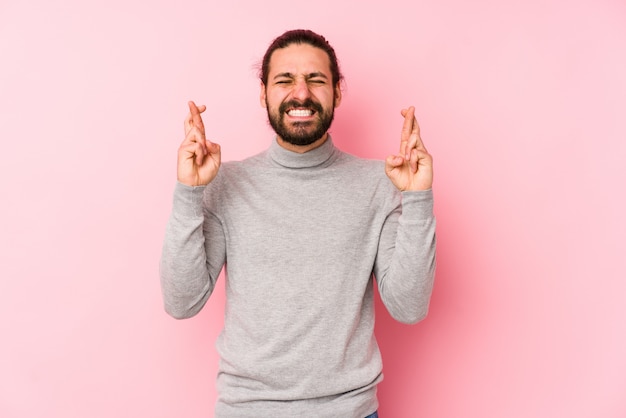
[307,76]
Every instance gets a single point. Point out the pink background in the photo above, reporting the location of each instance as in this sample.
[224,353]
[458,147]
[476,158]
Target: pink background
[522,104]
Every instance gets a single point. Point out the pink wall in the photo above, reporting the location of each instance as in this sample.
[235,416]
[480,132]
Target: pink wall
[522,105]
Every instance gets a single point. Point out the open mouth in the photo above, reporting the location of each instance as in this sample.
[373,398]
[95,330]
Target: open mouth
[305,109]
[300,113]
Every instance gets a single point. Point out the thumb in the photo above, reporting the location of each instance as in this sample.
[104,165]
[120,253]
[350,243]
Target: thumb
[394,161]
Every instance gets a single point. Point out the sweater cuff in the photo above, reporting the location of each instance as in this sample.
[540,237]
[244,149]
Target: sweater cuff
[188,200]
[417,205]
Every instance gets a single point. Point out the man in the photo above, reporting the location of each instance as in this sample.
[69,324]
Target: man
[301,228]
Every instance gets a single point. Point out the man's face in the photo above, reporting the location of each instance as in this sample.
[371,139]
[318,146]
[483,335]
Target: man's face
[299,96]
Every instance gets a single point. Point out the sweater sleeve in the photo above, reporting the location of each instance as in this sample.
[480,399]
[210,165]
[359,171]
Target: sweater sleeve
[405,263]
[193,253]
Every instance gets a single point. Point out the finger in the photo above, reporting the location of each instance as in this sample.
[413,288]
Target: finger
[407,129]
[189,119]
[194,136]
[418,137]
[194,118]
[212,147]
[195,115]
[193,151]
[424,161]
[207,149]
[415,140]
[188,123]
[414,160]
[392,162]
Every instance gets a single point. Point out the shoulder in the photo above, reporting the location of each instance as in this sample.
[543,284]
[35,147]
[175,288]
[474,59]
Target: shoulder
[232,175]
[355,161]
[236,170]
[366,177]
[368,170]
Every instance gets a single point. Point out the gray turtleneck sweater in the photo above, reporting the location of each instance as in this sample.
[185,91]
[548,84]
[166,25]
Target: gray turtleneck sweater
[300,236]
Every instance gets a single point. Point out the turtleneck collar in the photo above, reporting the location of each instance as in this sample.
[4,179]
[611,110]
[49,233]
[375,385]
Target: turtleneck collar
[313,158]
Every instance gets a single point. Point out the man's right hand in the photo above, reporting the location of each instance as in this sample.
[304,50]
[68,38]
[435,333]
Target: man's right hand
[198,158]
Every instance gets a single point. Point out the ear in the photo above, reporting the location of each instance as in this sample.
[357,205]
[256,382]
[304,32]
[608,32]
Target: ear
[337,94]
[263,95]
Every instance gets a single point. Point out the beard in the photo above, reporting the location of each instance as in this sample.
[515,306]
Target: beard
[300,133]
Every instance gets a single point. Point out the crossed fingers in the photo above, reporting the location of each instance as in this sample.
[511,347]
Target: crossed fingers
[195,137]
[411,145]
[194,119]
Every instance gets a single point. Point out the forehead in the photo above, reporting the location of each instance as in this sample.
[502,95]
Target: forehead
[299,59]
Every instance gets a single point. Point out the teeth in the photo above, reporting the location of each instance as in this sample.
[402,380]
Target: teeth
[300,112]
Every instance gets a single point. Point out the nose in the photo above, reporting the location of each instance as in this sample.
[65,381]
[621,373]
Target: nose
[301,90]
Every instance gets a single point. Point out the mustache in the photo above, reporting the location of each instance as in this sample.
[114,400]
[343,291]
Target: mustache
[307,104]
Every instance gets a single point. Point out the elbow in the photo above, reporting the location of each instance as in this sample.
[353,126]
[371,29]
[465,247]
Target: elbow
[178,312]
[408,305]
[411,317]
[182,301]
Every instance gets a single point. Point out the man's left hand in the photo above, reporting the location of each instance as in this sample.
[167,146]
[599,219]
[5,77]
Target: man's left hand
[412,169]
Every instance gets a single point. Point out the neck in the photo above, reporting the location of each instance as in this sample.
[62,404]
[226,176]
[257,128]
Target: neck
[301,149]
